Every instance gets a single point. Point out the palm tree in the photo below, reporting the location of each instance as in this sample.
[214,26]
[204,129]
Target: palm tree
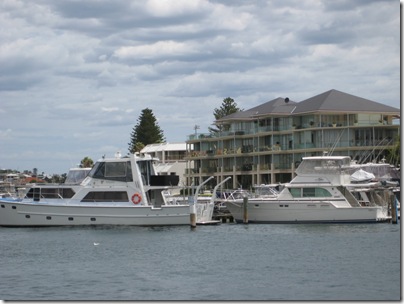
[86,162]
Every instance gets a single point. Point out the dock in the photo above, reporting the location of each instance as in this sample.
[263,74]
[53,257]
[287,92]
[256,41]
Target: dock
[224,217]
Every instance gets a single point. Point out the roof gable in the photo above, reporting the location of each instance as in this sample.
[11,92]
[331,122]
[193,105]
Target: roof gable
[336,101]
[332,101]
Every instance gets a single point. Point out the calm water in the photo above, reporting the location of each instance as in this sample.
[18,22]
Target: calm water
[225,262]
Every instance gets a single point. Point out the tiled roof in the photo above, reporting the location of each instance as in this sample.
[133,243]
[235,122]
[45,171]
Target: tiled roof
[331,101]
[336,101]
[278,106]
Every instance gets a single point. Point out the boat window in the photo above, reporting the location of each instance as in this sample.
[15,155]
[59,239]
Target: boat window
[146,169]
[321,192]
[50,192]
[316,192]
[309,192]
[77,175]
[115,169]
[296,192]
[129,176]
[118,171]
[98,170]
[106,196]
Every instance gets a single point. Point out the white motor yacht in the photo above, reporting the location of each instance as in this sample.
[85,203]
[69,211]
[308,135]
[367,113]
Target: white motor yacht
[117,191]
[321,192]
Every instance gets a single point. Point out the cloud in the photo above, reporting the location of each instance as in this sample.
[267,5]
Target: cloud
[158,49]
[75,75]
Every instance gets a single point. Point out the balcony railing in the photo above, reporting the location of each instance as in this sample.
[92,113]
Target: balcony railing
[286,127]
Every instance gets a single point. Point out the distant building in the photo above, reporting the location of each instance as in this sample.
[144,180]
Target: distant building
[266,143]
[171,156]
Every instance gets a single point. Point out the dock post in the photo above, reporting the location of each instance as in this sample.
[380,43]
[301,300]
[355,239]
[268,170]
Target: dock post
[192,212]
[245,210]
[193,220]
[393,204]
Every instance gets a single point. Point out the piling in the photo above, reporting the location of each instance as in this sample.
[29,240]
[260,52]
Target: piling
[393,208]
[192,209]
[245,210]
[193,220]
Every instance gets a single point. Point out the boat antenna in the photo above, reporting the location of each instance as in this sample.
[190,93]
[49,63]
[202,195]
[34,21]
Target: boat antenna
[383,142]
[336,142]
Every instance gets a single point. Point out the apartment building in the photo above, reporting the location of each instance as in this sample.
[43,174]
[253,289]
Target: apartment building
[171,156]
[266,143]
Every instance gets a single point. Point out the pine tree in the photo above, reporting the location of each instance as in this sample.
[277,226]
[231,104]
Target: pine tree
[229,106]
[146,131]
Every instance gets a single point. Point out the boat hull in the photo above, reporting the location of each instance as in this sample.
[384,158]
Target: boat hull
[16,214]
[292,212]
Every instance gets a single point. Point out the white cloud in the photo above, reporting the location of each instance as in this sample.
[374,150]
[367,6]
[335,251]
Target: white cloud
[168,8]
[158,49]
[113,109]
[75,75]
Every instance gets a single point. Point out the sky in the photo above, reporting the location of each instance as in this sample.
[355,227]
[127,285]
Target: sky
[75,75]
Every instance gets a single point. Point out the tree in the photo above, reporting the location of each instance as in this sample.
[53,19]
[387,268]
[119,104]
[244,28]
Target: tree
[146,131]
[229,106]
[393,154]
[86,162]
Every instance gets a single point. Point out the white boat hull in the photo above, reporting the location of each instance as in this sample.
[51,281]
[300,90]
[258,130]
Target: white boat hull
[15,214]
[299,212]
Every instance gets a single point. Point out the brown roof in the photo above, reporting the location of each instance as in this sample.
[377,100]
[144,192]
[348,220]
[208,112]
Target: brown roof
[328,102]
[337,101]
[278,106]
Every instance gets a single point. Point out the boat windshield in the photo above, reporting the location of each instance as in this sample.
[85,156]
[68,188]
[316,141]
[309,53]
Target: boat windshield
[266,190]
[76,175]
[324,166]
[117,171]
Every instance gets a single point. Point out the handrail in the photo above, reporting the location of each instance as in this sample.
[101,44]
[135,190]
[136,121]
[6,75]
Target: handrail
[213,197]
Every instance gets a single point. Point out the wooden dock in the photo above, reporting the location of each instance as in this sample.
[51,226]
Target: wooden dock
[224,217]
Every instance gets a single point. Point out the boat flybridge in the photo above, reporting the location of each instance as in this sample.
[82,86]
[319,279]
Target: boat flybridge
[117,191]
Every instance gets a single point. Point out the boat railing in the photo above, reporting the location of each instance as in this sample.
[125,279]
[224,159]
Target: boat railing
[232,195]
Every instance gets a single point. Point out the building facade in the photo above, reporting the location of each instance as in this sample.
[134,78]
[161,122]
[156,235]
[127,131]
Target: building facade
[265,144]
[172,158]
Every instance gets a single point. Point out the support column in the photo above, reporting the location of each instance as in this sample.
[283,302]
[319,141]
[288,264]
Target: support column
[273,181]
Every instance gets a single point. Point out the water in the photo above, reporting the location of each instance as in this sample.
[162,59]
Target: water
[225,262]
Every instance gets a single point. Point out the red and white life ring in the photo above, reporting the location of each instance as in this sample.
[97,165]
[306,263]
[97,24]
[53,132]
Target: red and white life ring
[136,198]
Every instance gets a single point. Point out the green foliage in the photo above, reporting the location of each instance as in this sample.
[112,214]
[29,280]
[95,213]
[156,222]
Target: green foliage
[146,131]
[393,154]
[86,162]
[56,178]
[229,106]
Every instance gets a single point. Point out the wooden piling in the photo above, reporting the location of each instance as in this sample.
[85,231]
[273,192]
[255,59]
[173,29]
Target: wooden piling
[393,208]
[192,214]
[193,220]
[245,210]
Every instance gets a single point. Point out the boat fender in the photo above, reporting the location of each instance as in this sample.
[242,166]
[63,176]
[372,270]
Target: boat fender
[136,198]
